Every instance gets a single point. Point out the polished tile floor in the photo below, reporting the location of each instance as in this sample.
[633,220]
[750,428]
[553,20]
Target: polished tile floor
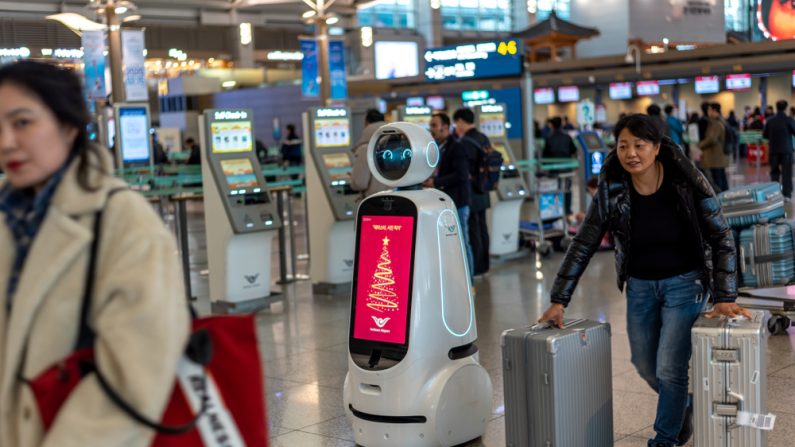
[303,342]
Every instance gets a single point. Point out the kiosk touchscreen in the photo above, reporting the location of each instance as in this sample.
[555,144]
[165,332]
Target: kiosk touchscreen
[511,190]
[132,138]
[419,115]
[594,152]
[331,201]
[239,213]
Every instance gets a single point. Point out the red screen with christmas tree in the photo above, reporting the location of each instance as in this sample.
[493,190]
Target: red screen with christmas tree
[382,290]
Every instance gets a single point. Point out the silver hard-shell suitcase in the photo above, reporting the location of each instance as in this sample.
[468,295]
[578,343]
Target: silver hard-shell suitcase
[558,385]
[729,376]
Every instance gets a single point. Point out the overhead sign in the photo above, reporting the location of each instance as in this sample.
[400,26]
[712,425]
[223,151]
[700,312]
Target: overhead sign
[474,95]
[707,84]
[94,64]
[569,94]
[132,48]
[620,90]
[544,95]
[309,85]
[738,81]
[474,61]
[648,88]
[418,110]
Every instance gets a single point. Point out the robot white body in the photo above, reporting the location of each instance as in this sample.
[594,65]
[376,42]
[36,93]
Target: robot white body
[425,387]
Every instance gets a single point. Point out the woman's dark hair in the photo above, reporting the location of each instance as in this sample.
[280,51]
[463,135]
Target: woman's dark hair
[61,91]
[641,126]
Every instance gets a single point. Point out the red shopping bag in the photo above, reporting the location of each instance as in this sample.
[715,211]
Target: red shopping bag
[218,398]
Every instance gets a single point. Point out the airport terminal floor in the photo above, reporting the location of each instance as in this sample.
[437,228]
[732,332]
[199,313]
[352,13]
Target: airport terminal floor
[304,348]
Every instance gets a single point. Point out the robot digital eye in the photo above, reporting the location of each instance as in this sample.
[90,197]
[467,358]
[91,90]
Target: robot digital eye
[407,154]
[393,155]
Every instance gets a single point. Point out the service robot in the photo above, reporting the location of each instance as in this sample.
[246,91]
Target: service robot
[413,372]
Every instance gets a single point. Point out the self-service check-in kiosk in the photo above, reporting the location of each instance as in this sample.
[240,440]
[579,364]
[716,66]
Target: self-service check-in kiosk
[593,153]
[241,219]
[419,115]
[413,373]
[331,201]
[511,189]
[132,138]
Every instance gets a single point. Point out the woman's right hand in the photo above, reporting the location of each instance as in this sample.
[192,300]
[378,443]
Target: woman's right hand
[553,314]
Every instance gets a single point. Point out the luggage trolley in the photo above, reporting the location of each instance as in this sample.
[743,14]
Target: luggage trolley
[779,301]
[554,179]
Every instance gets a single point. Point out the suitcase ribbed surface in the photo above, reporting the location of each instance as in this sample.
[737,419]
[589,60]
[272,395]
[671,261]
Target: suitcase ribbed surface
[558,386]
[765,240]
[747,205]
[741,381]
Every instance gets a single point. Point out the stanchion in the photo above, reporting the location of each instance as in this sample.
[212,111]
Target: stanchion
[182,236]
[280,192]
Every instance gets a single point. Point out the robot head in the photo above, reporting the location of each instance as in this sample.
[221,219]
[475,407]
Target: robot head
[402,154]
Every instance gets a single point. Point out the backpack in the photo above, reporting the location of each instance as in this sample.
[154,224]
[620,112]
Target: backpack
[478,167]
[492,174]
[732,138]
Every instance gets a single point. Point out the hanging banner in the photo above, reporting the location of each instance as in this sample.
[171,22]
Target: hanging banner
[94,63]
[309,85]
[132,50]
[337,72]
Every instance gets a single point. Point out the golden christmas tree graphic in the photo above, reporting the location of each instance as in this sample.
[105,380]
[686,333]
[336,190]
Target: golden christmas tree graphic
[382,296]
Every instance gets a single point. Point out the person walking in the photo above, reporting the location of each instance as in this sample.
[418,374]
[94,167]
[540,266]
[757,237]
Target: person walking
[674,249]
[560,145]
[361,178]
[60,200]
[779,131]
[452,176]
[713,156]
[675,129]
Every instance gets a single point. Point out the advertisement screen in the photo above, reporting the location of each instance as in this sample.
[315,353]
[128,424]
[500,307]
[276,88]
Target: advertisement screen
[231,136]
[568,94]
[386,245]
[435,102]
[239,173]
[492,124]
[134,134]
[707,84]
[544,95]
[648,88]
[620,90]
[738,82]
[396,60]
[551,205]
[415,101]
[332,132]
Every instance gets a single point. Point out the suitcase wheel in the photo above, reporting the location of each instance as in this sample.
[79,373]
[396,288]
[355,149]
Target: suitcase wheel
[778,324]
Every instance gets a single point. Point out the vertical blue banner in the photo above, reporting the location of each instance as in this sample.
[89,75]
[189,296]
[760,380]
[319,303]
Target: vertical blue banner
[309,86]
[337,72]
[94,64]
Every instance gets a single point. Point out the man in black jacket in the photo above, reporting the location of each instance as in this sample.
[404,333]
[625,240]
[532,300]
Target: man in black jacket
[474,144]
[779,131]
[559,144]
[452,174]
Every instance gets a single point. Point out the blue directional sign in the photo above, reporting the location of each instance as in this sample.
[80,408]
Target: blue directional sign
[474,61]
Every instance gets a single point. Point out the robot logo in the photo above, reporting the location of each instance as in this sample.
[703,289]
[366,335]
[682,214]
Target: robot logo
[381,322]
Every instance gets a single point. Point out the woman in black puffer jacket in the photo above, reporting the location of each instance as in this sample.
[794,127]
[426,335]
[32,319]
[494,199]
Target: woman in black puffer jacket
[673,250]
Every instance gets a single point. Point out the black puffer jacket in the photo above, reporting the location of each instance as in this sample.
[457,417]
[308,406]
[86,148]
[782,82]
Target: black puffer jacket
[610,211]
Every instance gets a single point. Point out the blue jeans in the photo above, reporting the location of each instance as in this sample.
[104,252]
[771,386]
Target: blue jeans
[660,315]
[463,222]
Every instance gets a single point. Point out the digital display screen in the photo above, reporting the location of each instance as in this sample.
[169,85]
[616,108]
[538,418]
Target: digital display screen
[597,160]
[239,173]
[544,95]
[133,134]
[396,60]
[648,88]
[337,161]
[415,101]
[793,78]
[568,94]
[707,84]
[333,132]
[423,121]
[738,82]
[592,141]
[620,90]
[386,244]
[551,205]
[473,61]
[435,102]
[499,147]
[231,136]
[492,124]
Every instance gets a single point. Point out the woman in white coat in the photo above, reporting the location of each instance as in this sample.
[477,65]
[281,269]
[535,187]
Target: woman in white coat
[56,181]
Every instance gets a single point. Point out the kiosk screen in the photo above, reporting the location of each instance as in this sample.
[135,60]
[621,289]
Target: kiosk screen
[423,121]
[134,134]
[231,136]
[336,163]
[592,141]
[239,174]
[492,124]
[382,291]
[332,132]
[551,206]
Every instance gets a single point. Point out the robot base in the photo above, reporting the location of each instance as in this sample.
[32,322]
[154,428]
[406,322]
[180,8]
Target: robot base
[455,405]
[244,307]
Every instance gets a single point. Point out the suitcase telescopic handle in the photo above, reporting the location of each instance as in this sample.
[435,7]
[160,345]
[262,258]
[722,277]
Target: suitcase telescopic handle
[742,259]
[550,324]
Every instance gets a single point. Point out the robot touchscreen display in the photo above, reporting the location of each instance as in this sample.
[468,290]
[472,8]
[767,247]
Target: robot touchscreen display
[393,155]
[383,282]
